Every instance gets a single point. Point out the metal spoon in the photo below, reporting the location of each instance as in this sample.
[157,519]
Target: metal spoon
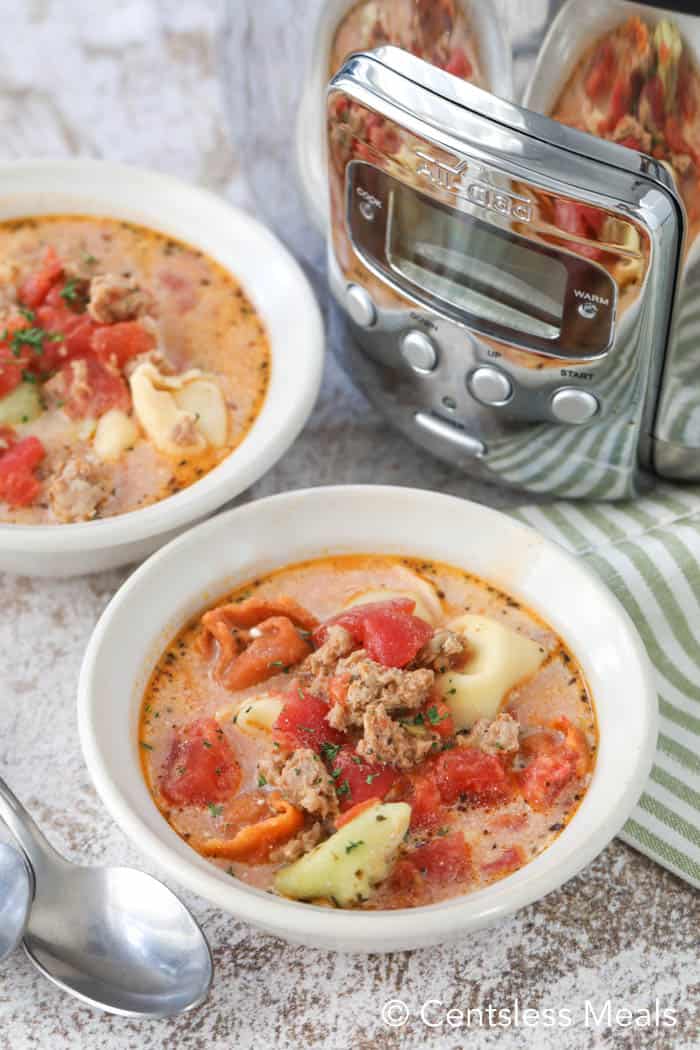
[16,889]
[115,938]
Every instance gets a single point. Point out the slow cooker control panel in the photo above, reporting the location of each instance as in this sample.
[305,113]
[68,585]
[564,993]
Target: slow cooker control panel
[480,273]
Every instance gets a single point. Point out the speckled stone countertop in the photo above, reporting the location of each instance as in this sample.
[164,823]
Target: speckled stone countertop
[114,81]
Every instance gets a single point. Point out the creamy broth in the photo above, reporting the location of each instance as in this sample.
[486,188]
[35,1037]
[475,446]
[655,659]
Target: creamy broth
[637,85]
[435,30]
[187,314]
[484,795]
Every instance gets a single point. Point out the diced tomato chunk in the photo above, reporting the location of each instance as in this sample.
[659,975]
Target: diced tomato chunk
[18,485]
[201,766]
[438,719]
[8,436]
[36,286]
[354,811]
[443,860]
[389,631]
[552,766]
[10,375]
[468,771]
[510,860]
[102,390]
[364,779]
[620,104]
[601,71]
[458,64]
[653,93]
[303,722]
[120,342]
[631,143]
[427,810]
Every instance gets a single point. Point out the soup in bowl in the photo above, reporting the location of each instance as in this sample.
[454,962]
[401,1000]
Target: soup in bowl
[148,368]
[367,731]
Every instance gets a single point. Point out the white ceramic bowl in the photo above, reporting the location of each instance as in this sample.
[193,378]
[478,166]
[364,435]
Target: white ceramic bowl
[199,567]
[311,120]
[274,283]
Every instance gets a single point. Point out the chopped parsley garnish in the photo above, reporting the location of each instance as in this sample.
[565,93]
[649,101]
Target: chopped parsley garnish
[145,746]
[215,811]
[206,743]
[353,845]
[329,751]
[370,777]
[343,789]
[32,338]
[28,377]
[70,292]
[262,780]
[27,314]
[434,716]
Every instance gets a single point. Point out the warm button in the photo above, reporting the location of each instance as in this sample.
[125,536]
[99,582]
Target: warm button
[360,306]
[419,351]
[570,405]
[490,386]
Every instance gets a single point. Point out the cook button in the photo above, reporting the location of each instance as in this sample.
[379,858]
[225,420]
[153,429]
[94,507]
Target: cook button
[360,306]
[490,386]
[419,351]
[570,405]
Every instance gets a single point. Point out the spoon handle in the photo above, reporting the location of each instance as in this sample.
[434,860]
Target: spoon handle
[37,849]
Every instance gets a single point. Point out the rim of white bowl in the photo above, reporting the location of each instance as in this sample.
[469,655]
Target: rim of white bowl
[356,927]
[293,386]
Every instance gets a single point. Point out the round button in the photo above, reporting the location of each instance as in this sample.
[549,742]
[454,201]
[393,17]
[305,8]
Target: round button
[588,311]
[570,405]
[419,351]
[490,386]
[360,306]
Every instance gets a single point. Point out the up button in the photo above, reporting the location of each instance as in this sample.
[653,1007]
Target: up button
[490,386]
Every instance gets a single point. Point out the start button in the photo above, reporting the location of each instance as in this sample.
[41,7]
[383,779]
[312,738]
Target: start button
[571,405]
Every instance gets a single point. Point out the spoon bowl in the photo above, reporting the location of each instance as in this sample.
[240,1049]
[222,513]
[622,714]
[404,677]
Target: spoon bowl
[15,898]
[115,938]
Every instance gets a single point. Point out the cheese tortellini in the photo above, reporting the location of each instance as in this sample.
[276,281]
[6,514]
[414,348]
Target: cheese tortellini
[257,717]
[500,658]
[346,866]
[115,433]
[181,414]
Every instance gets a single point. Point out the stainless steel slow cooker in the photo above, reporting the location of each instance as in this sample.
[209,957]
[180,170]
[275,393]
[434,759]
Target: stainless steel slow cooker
[518,295]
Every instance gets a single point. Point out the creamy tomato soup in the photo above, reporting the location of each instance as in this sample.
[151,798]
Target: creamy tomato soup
[435,30]
[368,732]
[130,365]
[637,85]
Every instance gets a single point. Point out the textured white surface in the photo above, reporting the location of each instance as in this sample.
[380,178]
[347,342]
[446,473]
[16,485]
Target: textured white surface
[136,81]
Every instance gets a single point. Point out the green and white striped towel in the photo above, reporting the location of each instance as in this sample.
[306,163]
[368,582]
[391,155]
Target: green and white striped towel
[648,553]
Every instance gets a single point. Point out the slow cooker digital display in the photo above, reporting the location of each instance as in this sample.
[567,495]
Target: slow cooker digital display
[479,271]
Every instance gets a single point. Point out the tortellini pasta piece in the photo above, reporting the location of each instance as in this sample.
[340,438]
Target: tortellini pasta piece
[257,717]
[181,414]
[22,405]
[500,658]
[115,433]
[347,865]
